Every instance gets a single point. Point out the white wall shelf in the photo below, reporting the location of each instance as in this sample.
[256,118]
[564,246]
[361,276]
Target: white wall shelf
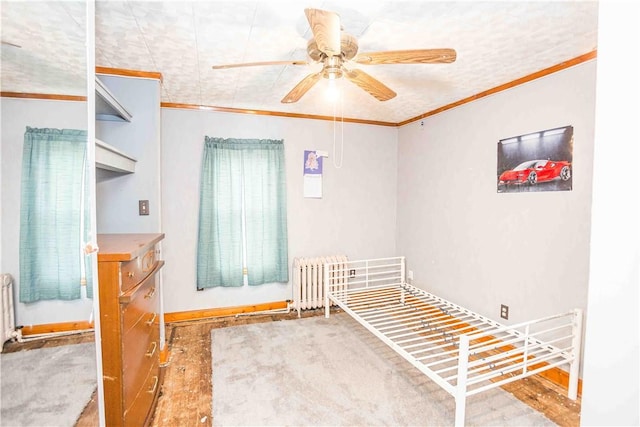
[112,159]
[107,106]
[110,109]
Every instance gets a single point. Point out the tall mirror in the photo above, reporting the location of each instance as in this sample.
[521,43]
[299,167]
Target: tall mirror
[48,362]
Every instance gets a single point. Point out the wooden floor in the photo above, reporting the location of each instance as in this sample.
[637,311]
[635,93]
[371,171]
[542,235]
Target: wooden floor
[185,396]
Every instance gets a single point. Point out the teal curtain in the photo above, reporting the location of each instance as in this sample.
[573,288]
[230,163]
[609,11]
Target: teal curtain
[265,197]
[50,216]
[219,260]
[242,177]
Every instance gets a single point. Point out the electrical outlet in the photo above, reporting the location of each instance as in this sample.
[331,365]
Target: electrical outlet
[504,311]
[143,207]
[410,275]
[352,274]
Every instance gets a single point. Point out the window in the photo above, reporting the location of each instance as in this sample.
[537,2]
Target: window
[52,214]
[242,231]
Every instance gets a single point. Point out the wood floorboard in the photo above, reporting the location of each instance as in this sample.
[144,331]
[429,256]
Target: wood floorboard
[186,393]
[185,398]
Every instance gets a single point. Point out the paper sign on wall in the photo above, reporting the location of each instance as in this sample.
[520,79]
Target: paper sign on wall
[312,174]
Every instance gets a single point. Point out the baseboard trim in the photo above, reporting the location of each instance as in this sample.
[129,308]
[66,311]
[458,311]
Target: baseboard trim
[185,316]
[54,328]
[560,378]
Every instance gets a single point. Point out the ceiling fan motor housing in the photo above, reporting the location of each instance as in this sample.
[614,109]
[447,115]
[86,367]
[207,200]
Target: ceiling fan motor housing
[348,48]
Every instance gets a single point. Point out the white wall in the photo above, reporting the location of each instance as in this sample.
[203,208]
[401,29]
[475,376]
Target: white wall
[356,216]
[17,114]
[611,361]
[2,189]
[479,248]
[117,194]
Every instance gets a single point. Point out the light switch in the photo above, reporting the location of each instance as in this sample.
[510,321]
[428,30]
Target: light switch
[143,207]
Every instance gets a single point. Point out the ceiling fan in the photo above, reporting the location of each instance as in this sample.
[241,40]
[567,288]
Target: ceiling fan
[337,51]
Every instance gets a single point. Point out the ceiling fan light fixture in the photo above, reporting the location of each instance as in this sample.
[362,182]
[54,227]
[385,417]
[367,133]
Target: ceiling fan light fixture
[332,68]
[333,92]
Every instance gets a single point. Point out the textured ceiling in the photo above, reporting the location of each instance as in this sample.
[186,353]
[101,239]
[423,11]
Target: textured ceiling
[52,54]
[496,43]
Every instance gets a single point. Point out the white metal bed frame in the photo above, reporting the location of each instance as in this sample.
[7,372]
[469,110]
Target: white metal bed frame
[463,352]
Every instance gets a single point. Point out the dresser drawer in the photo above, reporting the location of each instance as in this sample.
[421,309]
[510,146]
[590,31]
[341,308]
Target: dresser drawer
[137,412]
[132,272]
[141,304]
[141,354]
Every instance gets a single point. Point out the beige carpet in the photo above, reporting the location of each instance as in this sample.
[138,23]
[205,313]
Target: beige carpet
[46,387]
[332,372]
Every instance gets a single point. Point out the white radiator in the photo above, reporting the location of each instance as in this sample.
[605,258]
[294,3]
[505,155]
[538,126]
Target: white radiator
[308,280]
[7,318]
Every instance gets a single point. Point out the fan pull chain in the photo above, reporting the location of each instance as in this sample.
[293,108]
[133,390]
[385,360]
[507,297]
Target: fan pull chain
[341,131]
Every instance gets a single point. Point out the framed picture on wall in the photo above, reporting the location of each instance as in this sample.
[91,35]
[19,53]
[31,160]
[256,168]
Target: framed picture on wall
[538,161]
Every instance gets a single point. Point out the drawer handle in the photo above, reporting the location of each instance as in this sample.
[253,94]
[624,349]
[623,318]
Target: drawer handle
[155,384]
[153,350]
[153,319]
[151,292]
[148,261]
[131,274]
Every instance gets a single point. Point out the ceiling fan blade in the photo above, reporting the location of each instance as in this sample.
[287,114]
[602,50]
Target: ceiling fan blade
[301,88]
[325,26]
[11,44]
[370,84]
[255,64]
[416,56]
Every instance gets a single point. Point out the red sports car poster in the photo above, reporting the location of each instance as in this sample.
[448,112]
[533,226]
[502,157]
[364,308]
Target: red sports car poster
[538,161]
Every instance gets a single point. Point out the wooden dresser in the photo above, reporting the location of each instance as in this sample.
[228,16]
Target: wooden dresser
[129,326]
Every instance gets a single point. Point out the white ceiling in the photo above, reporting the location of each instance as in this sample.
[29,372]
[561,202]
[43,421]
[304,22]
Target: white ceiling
[52,56]
[496,43]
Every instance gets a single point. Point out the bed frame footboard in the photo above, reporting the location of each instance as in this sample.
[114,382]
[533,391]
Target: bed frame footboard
[463,352]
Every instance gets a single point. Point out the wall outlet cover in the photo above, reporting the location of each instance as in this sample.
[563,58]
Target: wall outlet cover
[504,311]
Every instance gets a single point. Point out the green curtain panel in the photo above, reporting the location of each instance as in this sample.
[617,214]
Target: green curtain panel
[219,261]
[51,206]
[242,176]
[265,197]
